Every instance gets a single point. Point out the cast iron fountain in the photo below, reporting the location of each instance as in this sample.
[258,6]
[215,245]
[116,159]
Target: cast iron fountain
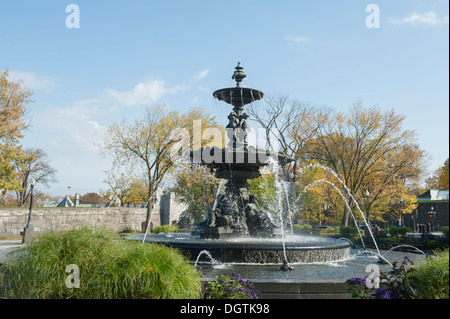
[237,230]
[237,213]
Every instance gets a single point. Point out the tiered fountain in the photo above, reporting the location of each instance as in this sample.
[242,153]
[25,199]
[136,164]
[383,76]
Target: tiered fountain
[236,213]
[237,230]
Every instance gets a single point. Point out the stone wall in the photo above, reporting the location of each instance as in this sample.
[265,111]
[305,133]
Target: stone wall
[287,289]
[13,220]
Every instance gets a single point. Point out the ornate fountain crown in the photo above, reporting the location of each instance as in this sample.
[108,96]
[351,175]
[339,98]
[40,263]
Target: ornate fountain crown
[239,75]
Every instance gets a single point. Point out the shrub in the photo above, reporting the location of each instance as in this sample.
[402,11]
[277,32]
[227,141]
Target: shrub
[332,230]
[432,276]
[397,230]
[109,267]
[302,228]
[348,231]
[166,229]
[445,231]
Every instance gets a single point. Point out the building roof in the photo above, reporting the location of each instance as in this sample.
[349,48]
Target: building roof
[434,195]
[66,202]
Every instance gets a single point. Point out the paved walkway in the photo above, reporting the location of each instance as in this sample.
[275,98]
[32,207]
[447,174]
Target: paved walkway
[6,246]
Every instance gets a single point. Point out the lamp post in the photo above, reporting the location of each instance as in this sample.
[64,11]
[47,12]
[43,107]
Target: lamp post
[29,230]
[401,211]
[367,207]
[432,215]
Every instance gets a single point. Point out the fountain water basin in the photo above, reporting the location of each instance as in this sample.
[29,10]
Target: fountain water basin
[300,249]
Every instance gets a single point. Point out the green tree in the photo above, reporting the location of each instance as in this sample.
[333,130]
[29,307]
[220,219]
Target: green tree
[196,187]
[264,189]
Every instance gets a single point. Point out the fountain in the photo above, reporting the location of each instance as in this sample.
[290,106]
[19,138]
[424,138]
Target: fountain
[237,230]
[236,213]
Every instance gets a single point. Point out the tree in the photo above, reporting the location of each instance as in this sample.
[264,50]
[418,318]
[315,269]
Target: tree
[92,198]
[369,150]
[196,187]
[41,199]
[36,167]
[319,195]
[145,146]
[128,188]
[290,122]
[440,178]
[14,98]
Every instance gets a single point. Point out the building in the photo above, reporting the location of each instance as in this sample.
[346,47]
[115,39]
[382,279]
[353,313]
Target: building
[66,202]
[433,208]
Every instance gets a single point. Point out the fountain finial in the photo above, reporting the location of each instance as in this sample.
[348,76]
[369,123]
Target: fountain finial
[239,75]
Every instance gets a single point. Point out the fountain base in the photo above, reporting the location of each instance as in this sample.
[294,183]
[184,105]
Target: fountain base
[217,233]
[299,249]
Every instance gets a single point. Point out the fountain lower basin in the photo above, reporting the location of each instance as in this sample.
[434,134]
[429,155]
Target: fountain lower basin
[299,249]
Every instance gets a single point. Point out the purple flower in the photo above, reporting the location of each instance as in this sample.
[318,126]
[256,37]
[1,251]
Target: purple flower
[356,281]
[385,293]
[407,259]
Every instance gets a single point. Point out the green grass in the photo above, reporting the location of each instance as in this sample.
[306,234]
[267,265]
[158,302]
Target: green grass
[10,237]
[110,268]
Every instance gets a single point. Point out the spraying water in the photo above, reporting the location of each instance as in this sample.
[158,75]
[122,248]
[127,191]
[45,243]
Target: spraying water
[286,193]
[345,201]
[207,254]
[405,246]
[351,196]
[274,168]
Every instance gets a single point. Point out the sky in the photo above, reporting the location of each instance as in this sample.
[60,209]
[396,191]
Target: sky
[93,63]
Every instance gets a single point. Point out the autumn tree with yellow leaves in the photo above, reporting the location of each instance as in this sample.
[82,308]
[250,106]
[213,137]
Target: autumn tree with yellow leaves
[440,178]
[370,151]
[14,100]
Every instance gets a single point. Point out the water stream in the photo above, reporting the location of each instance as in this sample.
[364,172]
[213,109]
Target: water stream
[350,194]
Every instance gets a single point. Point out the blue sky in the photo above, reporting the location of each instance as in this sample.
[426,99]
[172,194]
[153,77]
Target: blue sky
[127,55]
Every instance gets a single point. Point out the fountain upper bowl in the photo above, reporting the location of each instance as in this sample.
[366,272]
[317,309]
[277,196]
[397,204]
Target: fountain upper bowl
[238,96]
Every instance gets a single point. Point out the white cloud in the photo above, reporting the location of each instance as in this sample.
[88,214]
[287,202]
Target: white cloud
[144,93]
[201,75]
[429,18]
[297,39]
[77,124]
[33,81]
[97,126]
